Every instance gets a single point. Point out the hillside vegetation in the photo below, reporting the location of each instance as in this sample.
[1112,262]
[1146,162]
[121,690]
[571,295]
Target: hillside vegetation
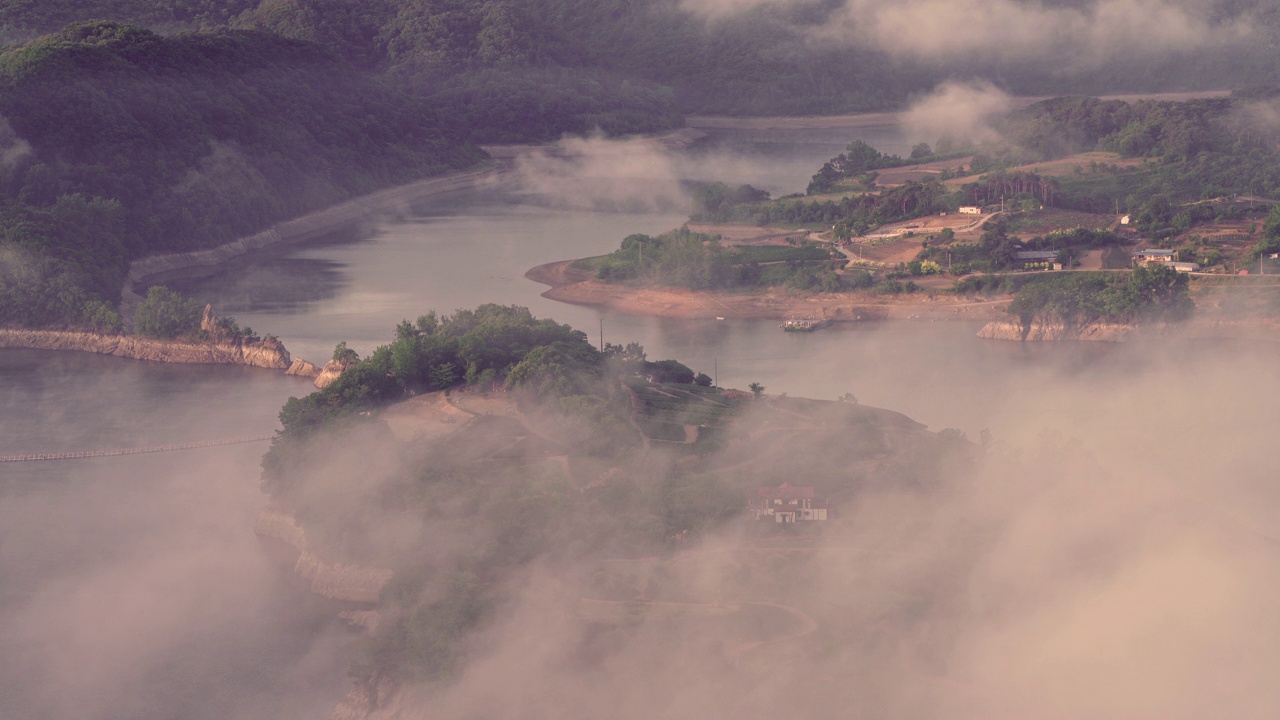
[763,58]
[119,143]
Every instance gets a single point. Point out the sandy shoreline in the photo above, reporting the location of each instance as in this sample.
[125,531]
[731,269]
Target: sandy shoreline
[311,225]
[578,287]
[392,199]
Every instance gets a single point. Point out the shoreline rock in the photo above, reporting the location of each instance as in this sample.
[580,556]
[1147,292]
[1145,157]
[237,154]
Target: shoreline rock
[331,371]
[267,353]
[333,580]
[302,368]
[1055,331]
[1258,329]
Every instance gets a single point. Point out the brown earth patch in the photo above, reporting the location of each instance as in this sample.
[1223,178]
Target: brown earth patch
[736,234]
[425,416]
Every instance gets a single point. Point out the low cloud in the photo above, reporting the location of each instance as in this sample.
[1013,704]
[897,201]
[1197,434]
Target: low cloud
[594,173]
[994,33]
[960,110]
[1089,568]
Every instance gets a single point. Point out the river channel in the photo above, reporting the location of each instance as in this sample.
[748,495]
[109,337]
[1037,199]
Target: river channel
[134,588]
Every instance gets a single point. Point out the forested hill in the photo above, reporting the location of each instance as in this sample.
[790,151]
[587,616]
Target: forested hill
[118,142]
[530,69]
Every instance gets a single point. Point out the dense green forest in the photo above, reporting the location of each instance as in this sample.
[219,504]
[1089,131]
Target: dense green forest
[776,58]
[119,143]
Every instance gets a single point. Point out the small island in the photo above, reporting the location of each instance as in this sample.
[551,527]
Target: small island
[500,451]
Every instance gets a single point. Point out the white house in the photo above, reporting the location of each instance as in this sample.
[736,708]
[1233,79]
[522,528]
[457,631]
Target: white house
[970,210]
[1152,256]
[787,503]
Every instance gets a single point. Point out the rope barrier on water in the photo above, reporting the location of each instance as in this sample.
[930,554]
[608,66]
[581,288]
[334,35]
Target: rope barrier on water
[114,452]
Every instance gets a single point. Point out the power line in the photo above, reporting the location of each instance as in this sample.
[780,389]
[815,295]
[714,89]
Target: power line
[116,452]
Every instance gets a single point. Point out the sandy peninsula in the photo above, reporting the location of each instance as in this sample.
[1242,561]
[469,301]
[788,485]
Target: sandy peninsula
[571,285]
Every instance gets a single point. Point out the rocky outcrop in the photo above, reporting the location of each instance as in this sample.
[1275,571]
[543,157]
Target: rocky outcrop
[334,580]
[332,370]
[341,581]
[265,353]
[1039,331]
[302,368]
[367,701]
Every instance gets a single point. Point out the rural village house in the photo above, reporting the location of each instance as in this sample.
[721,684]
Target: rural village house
[787,503]
[1153,256]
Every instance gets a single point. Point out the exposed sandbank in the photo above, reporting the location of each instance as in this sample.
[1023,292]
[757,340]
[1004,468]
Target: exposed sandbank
[578,287]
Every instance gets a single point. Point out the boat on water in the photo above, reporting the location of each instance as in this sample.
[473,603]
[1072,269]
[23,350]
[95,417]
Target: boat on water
[805,324]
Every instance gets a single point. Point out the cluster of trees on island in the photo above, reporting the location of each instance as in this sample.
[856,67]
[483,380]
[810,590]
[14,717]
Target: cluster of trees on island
[696,261]
[571,390]
[490,344]
[568,479]
[1148,293]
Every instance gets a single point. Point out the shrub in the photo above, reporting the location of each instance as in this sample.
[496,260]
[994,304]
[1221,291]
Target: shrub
[165,314]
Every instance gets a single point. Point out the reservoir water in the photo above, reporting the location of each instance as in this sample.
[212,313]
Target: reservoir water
[134,588]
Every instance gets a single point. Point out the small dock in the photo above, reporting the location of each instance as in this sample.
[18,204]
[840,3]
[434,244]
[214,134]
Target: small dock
[805,324]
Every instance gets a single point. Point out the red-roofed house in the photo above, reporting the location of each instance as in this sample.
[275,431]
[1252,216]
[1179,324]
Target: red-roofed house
[787,503]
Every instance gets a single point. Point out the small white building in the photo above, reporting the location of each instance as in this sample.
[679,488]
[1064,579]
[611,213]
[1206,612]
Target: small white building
[1152,256]
[970,210]
[787,503]
[1184,267]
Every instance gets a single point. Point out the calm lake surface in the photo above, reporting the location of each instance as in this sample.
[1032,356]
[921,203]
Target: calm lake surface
[134,588]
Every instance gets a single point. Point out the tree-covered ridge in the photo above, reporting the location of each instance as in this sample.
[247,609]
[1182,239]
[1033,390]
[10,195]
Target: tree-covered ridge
[696,261]
[778,58]
[492,342]
[1190,151]
[120,143]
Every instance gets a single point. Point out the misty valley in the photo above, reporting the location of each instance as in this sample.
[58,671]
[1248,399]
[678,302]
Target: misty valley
[398,359]
[542,560]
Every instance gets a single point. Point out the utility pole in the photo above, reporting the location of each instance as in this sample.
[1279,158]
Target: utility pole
[601,333]
[716,370]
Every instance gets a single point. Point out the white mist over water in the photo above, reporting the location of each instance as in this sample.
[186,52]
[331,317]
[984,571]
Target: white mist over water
[133,587]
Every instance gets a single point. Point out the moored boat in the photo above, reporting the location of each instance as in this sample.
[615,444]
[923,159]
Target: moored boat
[804,324]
